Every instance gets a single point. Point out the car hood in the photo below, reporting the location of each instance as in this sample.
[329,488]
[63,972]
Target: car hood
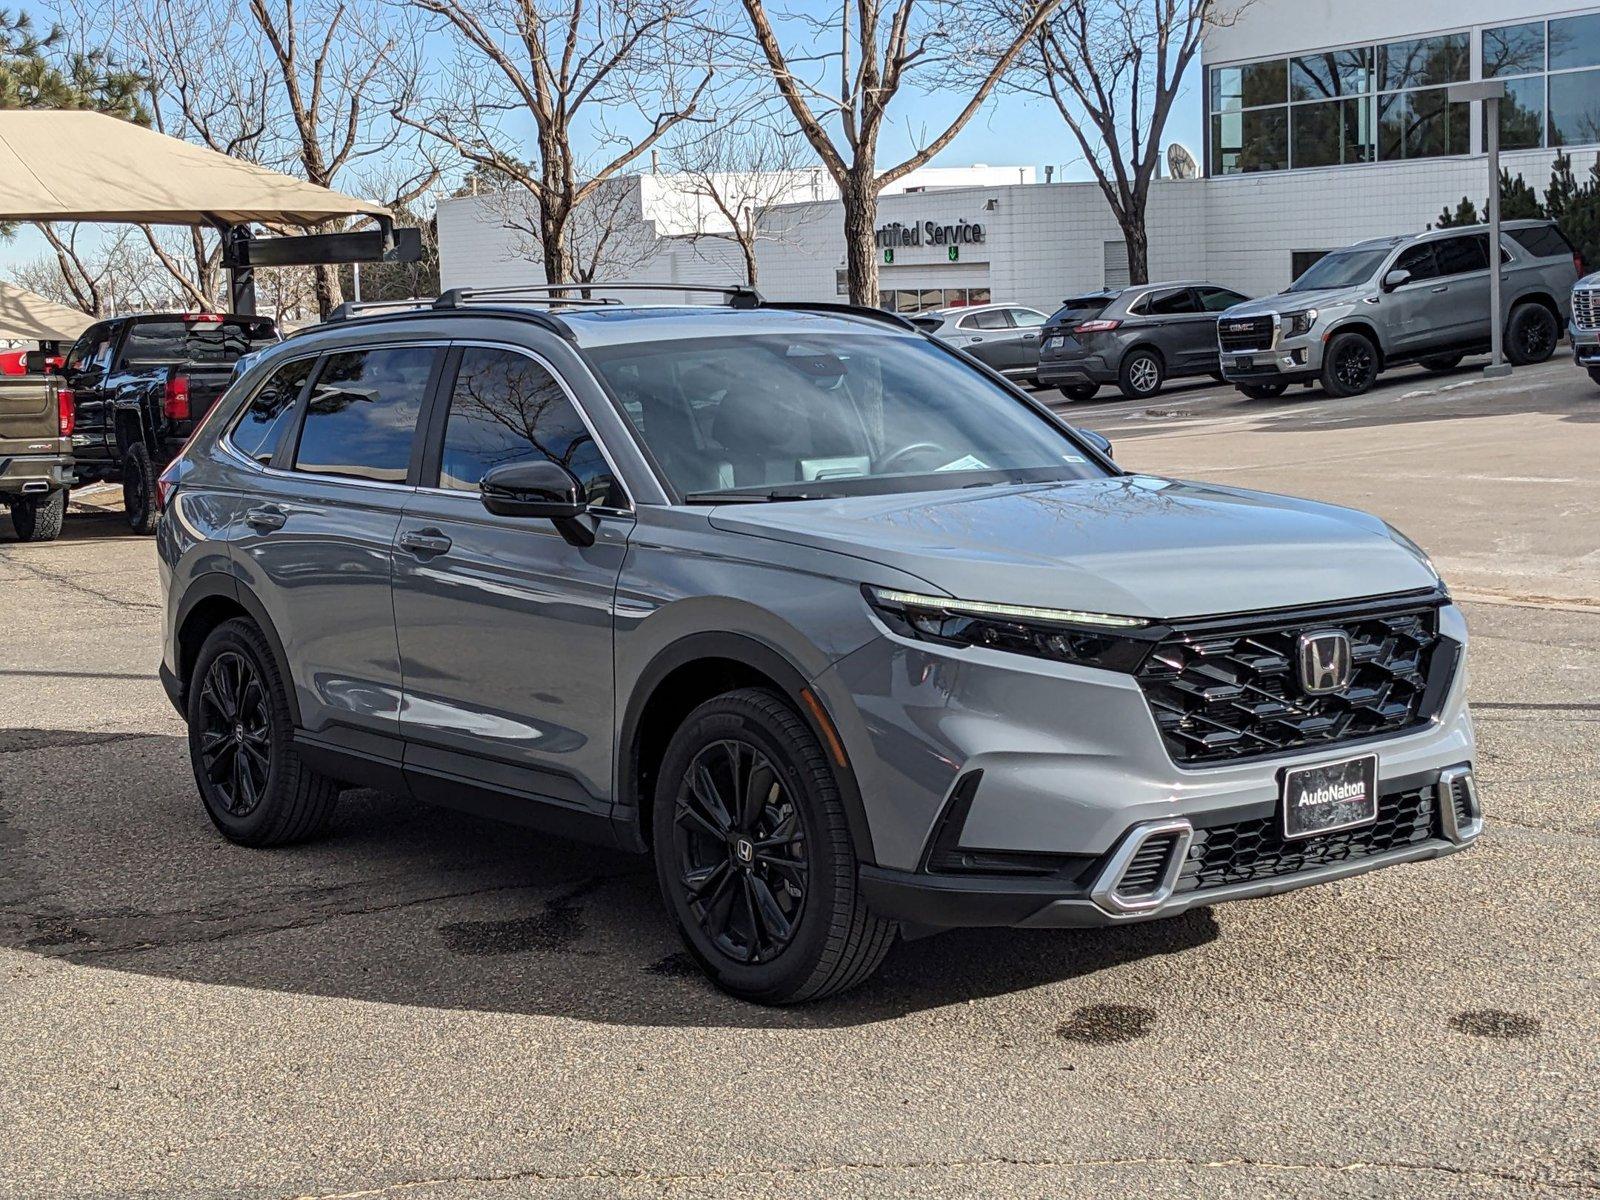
[1285,302]
[1134,545]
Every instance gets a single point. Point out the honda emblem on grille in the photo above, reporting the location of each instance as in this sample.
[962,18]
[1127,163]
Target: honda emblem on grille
[1325,661]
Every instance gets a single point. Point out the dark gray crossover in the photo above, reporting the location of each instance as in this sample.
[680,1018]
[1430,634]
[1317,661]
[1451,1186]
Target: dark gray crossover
[1136,338]
[851,636]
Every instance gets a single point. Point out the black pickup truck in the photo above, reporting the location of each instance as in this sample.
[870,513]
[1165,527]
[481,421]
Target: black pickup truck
[140,384]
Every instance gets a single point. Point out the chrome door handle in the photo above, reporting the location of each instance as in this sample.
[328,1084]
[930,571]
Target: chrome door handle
[1443,287]
[267,517]
[425,542]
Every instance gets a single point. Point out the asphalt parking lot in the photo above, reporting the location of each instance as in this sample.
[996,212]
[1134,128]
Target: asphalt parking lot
[428,1006]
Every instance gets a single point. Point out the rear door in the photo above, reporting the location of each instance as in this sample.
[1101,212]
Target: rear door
[1029,325]
[1185,334]
[989,337]
[1464,273]
[504,628]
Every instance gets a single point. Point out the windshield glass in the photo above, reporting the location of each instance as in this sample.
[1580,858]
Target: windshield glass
[1342,268]
[198,339]
[812,417]
[1083,308]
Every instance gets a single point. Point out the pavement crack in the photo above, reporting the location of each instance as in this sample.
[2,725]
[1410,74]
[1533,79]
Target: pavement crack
[72,584]
[25,741]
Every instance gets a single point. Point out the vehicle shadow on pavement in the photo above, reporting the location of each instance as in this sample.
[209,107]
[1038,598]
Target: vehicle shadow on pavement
[107,860]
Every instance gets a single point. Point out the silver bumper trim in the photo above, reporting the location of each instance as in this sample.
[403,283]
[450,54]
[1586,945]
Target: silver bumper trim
[1105,890]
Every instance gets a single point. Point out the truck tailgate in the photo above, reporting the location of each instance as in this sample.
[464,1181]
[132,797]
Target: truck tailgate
[28,414]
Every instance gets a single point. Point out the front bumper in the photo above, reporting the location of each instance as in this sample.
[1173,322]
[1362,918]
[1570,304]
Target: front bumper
[1444,817]
[1287,362]
[1585,346]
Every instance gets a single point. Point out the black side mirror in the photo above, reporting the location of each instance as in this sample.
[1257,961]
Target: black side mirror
[539,489]
[1098,440]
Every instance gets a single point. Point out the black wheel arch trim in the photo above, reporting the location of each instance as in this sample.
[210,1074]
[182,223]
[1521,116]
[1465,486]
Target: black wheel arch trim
[772,663]
[215,585]
[1358,325]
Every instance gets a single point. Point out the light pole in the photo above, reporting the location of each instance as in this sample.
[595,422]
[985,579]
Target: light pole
[1491,92]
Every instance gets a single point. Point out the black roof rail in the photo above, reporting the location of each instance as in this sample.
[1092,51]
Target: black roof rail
[850,310]
[378,310]
[736,296]
[356,308]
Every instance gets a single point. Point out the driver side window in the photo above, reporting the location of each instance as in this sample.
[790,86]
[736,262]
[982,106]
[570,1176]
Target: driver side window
[1419,260]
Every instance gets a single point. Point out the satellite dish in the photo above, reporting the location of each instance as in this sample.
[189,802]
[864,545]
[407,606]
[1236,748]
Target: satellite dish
[1181,163]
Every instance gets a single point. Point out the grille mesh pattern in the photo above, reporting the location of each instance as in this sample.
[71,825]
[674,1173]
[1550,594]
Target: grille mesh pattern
[1586,308]
[1245,333]
[1253,850]
[1231,695]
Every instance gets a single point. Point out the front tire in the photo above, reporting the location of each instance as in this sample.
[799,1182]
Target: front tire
[39,520]
[754,855]
[1141,375]
[139,489]
[1531,335]
[241,744]
[1349,365]
[1079,392]
[1594,374]
[1262,391]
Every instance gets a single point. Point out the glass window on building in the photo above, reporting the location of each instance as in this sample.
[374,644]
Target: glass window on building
[1331,133]
[1422,124]
[1250,86]
[1424,62]
[1252,140]
[1522,114]
[1325,76]
[1513,50]
[1575,42]
[1574,107]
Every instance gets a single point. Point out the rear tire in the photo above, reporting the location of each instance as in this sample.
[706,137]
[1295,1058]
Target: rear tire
[139,489]
[1079,392]
[1349,365]
[754,855]
[1141,375]
[1263,391]
[1594,374]
[1441,363]
[1531,335]
[39,520]
[254,786]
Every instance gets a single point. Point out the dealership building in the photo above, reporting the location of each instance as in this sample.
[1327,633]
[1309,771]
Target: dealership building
[1326,121]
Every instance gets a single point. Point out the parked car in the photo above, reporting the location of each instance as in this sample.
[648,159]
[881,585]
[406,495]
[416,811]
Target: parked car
[845,634]
[1002,336]
[140,384]
[1137,338]
[1417,299]
[36,421]
[1584,325]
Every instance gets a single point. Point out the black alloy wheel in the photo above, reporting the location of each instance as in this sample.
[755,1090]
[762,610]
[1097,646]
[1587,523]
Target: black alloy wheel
[235,733]
[1350,365]
[1531,335]
[740,843]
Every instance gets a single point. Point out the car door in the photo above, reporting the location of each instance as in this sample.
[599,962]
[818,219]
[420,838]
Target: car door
[1413,310]
[988,336]
[1464,274]
[504,627]
[88,363]
[314,533]
[1029,325]
[1185,335]
[1214,301]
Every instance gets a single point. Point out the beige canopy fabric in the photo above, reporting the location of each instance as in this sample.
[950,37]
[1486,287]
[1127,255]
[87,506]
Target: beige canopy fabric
[28,317]
[59,165]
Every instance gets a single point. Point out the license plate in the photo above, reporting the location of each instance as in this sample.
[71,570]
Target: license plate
[1055,342]
[1330,797]
[1245,364]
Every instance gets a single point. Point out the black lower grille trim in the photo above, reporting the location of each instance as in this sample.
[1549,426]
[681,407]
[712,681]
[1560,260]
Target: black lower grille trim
[1249,851]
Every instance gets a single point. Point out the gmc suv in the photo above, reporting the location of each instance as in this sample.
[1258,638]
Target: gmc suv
[849,634]
[1383,303]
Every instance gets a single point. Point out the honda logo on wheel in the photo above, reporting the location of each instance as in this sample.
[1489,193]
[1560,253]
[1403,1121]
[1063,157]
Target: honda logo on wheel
[1325,661]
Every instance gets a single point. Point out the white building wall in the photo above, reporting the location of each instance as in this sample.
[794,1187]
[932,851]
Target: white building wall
[1264,28]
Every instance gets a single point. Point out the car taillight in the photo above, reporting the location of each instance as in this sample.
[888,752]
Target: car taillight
[1095,326]
[66,411]
[176,401]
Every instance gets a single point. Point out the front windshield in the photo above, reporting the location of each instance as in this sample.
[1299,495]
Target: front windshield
[789,415]
[1341,269]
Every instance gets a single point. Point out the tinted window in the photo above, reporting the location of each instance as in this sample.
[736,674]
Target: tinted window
[1323,76]
[93,348]
[1513,49]
[1215,299]
[1575,42]
[1248,86]
[362,415]
[1542,241]
[1085,308]
[1574,108]
[1173,303]
[1340,269]
[506,408]
[994,318]
[1423,62]
[1025,318]
[1419,260]
[1458,255]
[1422,125]
[195,339]
[1339,131]
[268,415]
[1250,141]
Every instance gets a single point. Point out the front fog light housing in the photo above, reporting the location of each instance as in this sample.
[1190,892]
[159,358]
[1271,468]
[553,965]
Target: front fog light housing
[1299,323]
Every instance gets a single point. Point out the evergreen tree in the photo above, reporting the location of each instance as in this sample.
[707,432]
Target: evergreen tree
[1465,214]
[35,72]
[1558,197]
[1518,201]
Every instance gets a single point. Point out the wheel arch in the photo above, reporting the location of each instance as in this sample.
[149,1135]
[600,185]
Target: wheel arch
[1367,329]
[1542,298]
[208,602]
[692,670]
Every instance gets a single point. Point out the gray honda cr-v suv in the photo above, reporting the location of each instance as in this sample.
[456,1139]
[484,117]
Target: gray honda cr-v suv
[846,632]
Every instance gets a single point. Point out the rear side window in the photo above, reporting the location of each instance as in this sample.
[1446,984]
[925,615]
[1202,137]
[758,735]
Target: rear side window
[198,338]
[362,415]
[1542,241]
[506,408]
[1461,255]
[1215,299]
[262,423]
[992,318]
[1025,318]
[1174,303]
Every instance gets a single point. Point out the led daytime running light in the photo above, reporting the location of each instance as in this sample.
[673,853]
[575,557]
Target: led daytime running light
[1016,612]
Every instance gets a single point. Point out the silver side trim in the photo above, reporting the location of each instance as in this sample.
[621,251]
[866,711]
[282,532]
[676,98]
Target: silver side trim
[1454,781]
[1104,892]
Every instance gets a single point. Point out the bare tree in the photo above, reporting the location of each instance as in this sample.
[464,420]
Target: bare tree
[96,274]
[1113,69]
[606,235]
[733,173]
[572,66]
[883,47]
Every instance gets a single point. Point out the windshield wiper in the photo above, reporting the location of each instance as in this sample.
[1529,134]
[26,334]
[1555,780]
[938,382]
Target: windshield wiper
[752,497]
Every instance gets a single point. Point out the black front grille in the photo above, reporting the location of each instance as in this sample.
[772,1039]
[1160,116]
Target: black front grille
[1252,850]
[1228,691]
[1144,874]
[1245,333]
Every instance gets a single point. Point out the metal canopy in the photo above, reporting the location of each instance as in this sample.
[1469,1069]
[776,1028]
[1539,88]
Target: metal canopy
[59,165]
[28,317]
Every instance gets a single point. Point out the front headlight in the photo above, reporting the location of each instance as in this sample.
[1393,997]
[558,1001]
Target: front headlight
[1299,323]
[1093,639]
